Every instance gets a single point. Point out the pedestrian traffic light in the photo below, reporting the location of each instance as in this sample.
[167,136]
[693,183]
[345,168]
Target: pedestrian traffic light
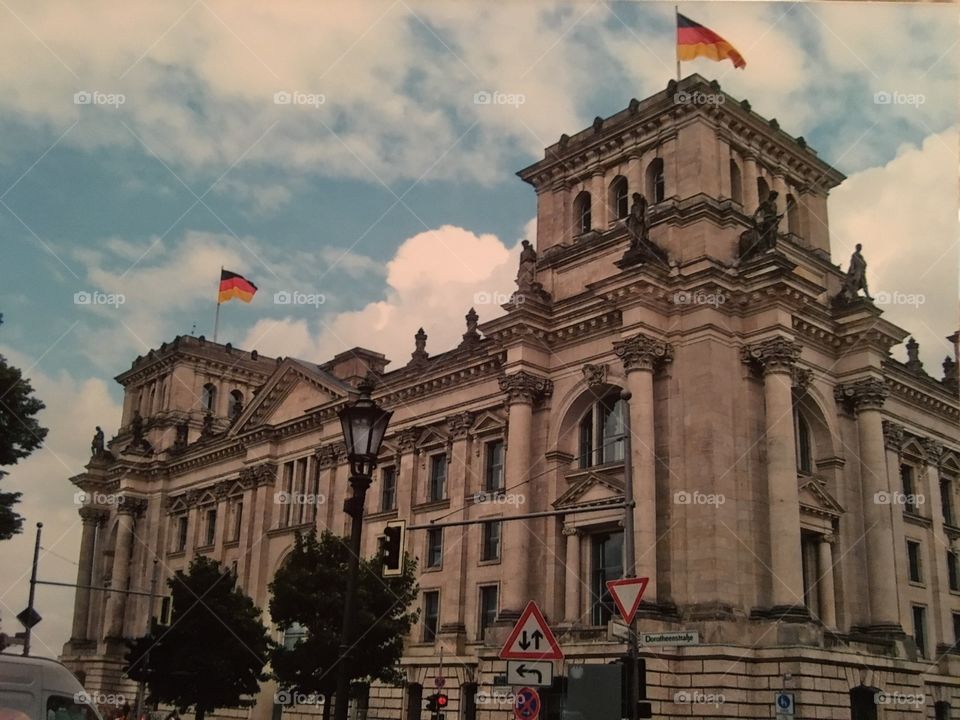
[442,701]
[432,704]
[391,547]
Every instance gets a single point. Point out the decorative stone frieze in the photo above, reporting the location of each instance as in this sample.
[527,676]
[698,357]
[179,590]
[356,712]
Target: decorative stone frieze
[459,425]
[260,474]
[642,352]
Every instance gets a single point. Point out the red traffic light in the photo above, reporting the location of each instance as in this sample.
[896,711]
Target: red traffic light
[442,700]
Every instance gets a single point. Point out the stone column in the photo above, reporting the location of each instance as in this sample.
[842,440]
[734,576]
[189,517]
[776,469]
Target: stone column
[91,518]
[598,197]
[635,176]
[941,544]
[776,359]
[522,390]
[749,182]
[865,397]
[641,355]
[455,539]
[120,575]
[571,589]
[825,586]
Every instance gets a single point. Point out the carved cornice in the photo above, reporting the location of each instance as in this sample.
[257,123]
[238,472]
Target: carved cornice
[778,354]
[401,393]
[595,374]
[525,387]
[459,425]
[260,474]
[866,394]
[892,435]
[642,352]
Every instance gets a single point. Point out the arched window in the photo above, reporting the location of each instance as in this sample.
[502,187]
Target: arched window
[581,212]
[234,404]
[602,432]
[736,184]
[793,221]
[803,442]
[208,398]
[762,189]
[656,188]
[619,202]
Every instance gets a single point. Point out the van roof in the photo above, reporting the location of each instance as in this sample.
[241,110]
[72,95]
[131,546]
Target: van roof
[19,670]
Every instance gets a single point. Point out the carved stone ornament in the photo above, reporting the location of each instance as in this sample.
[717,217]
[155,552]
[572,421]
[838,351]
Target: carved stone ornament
[460,424]
[933,449]
[595,374]
[91,515]
[866,394]
[524,387]
[642,352]
[777,354]
[802,377]
[892,435]
[260,474]
[420,355]
[131,505]
[406,439]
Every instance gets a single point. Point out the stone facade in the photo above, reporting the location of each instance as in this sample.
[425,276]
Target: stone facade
[796,488]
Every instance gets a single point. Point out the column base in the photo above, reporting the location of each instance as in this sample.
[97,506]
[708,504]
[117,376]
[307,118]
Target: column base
[892,631]
[785,613]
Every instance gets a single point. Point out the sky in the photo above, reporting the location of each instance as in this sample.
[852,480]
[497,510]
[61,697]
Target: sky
[336,150]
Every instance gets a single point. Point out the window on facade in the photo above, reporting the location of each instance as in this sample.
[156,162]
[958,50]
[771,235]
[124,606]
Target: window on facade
[488,608]
[793,217]
[434,547]
[804,446]
[438,476]
[602,432]
[811,577]
[493,470]
[607,564]
[941,710]
[736,184]
[762,189]
[234,404]
[182,532]
[914,565]
[208,398]
[388,489]
[491,541]
[863,703]
[956,628]
[237,519]
[431,615]
[946,501]
[293,635]
[619,202]
[656,186]
[210,532]
[920,629]
[582,213]
[953,570]
[909,488]
[286,494]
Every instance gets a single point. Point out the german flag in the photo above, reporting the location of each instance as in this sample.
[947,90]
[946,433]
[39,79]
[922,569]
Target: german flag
[236,286]
[694,40]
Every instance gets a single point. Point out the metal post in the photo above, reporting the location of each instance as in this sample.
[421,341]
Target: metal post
[33,588]
[629,551]
[354,508]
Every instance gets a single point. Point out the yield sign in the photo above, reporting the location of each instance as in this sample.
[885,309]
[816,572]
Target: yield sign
[626,594]
[531,638]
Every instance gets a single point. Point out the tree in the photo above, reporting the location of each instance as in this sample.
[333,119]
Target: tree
[308,591]
[20,435]
[213,653]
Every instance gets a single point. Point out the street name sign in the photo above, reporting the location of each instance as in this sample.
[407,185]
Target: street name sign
[672,639]
[530,672]
[626,593]
[531,638]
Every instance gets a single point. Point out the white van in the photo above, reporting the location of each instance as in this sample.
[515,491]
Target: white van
[35,688]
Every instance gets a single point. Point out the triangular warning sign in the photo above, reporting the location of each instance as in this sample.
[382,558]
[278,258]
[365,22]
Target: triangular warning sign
[531,638]
[626,593]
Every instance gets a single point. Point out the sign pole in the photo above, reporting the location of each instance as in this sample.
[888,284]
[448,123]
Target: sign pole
[629,550]
[33,589]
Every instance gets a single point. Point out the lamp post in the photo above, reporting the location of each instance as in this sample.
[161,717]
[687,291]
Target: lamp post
[364,424]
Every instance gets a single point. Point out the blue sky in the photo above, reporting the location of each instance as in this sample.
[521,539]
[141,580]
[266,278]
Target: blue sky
[396,196]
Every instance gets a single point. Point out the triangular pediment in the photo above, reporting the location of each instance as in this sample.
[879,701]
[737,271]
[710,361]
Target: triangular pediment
[432,437]
[814,498]
[488,422]
[294,388]
[592,489]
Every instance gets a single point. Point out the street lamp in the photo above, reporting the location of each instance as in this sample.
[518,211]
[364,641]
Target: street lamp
[364,424]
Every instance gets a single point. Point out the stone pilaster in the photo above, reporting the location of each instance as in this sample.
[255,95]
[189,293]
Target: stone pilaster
[571,586]
[127,510]
[825,579]
[92,519]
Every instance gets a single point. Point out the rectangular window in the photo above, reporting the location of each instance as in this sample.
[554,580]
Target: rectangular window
[300,507]
[488,608]
[491,541]
[287,494]
[494,466]
[607,551]
[612,430]
[211,533]
[956,628]
[388,489]
[946,501]
[920,629]
[182,533]
[586,440]
[434,547]
[237,519]
[438,477]
[909,488]
[431,615]
[914,563]
[953,570]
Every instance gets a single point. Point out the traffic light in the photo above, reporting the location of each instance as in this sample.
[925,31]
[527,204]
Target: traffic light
[432,704]
[436,704]
[391,546]
[442,701]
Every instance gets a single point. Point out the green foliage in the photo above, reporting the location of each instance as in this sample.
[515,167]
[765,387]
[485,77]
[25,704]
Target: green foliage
[214,651]
[309,589]
[20,435]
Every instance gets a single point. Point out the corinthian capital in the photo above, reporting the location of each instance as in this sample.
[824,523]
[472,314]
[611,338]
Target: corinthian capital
[524,387]
[92,516]
[777,354]
[866,394]
[642,352]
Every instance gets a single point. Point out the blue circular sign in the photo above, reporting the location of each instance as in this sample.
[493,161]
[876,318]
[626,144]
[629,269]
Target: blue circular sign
[783,701]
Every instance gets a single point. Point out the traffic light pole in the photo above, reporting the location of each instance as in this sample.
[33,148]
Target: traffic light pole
[33,589]
[630,554]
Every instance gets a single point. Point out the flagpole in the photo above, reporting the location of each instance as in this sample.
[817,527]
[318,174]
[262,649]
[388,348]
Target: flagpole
[216,318]
[676,12]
